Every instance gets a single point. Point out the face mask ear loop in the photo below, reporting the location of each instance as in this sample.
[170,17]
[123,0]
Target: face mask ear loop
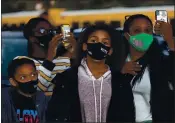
[128,34]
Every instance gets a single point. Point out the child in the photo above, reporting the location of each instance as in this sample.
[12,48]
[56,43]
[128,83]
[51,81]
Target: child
[91,91]
[22,102]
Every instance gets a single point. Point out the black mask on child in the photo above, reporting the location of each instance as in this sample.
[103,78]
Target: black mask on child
[97,51]
[28,87]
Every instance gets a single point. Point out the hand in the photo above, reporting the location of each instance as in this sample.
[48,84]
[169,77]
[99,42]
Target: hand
[131,68]
[165,29]
[70,43]
[53,46]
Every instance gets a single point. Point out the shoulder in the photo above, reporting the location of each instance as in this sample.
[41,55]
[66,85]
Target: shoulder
[116,74]
[41,98]
[5,91]
[5,96]
[70,72]
[119,79]
[68,75]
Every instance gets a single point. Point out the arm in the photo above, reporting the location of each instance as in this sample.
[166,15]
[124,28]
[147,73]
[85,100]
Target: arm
[122,98]
[56,107]
[168,66]
[128,99]
[45,75]
[6,110]
[166,31]
[48,71]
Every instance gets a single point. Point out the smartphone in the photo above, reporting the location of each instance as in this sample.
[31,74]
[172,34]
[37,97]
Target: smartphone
[65,29]
[161,15]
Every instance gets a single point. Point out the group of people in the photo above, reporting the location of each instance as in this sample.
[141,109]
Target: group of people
[104,76]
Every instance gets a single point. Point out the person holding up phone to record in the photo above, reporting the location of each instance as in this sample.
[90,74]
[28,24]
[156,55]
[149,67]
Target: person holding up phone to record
[148,70]
[44,49]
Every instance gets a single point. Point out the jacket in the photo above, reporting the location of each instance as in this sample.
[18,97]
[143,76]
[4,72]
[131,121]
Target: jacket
[64,105]
[9,114]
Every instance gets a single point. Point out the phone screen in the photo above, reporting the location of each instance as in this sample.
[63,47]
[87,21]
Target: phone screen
[65,30]
[161,15]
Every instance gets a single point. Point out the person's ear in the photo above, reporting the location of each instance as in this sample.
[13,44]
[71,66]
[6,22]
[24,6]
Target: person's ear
[84,46]
[126,35]
[13,82]
[110,52]
[33,39]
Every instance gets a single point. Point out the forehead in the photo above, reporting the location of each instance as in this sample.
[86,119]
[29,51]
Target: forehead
[140,22]
[25,69]
[43,24]
[100,33]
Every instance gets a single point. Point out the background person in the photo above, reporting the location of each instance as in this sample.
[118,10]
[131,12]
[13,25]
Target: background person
[149,71]
[42,47]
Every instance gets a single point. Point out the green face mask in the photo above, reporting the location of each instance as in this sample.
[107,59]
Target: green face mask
[141,41]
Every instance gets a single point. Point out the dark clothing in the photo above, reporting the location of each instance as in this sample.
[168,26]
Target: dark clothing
[16,108]
[24,105]
[64,105]
[22,102]
[161,71]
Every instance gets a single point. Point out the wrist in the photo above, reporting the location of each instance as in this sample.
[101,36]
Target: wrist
[171,44]
[49,58]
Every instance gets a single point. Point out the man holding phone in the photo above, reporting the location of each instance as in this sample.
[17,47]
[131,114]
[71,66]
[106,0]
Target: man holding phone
[43,50]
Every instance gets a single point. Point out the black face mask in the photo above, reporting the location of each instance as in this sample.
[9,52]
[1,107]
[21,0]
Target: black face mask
[97,51]
[44,40]
[28,87]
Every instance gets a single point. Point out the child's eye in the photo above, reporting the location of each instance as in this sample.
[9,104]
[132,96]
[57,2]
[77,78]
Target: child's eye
[22,77]
[33,74]
[105,43]
[93,41]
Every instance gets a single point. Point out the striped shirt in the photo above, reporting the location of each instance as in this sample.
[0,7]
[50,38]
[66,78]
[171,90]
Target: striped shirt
[47,71]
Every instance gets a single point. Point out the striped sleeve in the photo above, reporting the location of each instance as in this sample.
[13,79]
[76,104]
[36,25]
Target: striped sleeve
[47,71]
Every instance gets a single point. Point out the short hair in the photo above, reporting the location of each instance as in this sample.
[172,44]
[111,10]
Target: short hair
[32,23]
[14,64]
[130,20]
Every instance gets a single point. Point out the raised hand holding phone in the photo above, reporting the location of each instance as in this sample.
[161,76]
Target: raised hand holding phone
[160,16]
[164,28]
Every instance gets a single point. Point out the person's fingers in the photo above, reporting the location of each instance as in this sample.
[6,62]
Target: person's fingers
[137,69]
[160,22]
[135,65]
[56,40]
[132,72]
[57,37]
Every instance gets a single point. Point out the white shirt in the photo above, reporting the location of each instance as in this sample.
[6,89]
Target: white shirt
[141,92]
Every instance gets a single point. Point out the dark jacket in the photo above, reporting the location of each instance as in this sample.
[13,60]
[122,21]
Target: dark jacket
[64,105]
[161,71]
[8,113]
